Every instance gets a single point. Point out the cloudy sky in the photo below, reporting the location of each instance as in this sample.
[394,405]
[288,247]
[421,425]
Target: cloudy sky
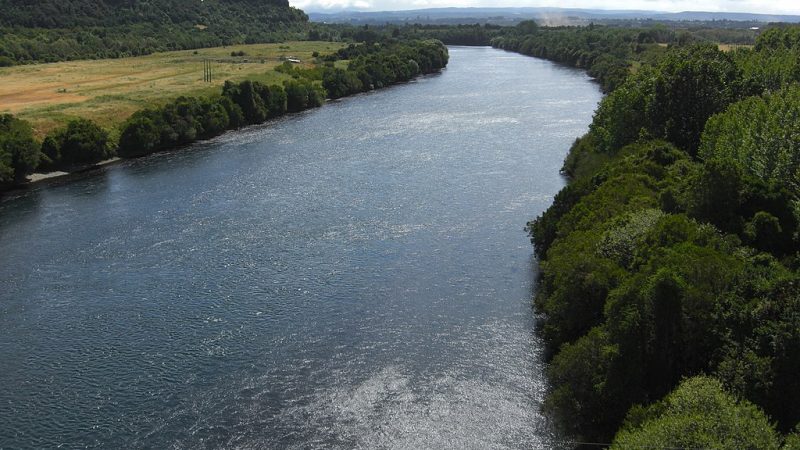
[756,6]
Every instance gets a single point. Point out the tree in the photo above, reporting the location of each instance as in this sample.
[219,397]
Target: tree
[140,136]
[698,414]
[691,85]
[19,152]
[82,141]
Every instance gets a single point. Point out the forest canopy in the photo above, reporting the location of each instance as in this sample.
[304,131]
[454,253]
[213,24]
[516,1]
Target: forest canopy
[674,252]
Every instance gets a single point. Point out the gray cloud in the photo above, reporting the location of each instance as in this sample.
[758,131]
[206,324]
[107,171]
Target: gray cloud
[753,6]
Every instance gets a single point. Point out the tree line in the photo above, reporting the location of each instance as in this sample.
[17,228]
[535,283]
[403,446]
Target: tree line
[189,119]
[670,263]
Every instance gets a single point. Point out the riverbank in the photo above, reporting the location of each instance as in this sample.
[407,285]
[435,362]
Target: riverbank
[37,177]
[185,120]
[673,252]
[109,91]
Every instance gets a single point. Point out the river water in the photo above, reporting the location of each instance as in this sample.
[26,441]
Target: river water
[353,276]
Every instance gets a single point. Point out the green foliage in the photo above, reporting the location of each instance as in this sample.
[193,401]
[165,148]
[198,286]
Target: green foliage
[605,52]
[792,441]
[759,135]
[581,401]
[186,120]
[303,94]
[140,136]
[80,142]
[700,414]
[19,152]
[671,101]
[625,234]
[768,71]
[654,286]
[341,83]
[50,30]
[760,358]
[544,229]
[180,122]
[377,65]
[622,116]
[692,85]
[659,264]
[575,282]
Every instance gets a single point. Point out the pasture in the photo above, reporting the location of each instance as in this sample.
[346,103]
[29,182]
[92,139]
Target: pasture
[108,91]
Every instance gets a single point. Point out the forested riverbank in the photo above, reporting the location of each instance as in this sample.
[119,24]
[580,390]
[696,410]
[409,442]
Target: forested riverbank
[188,119]
[673,253]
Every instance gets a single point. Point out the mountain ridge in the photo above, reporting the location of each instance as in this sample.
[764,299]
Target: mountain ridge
[454,14]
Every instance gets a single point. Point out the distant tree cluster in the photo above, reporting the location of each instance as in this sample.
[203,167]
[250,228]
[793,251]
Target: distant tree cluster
[377,65]
[606,53]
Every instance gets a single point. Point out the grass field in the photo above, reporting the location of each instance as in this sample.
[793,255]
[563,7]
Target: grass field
[732,47]
[109,91]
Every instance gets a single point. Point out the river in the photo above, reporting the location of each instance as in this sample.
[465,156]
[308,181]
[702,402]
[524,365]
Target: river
[352,276]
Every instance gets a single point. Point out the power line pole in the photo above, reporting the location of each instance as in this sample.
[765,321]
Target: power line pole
[207,71]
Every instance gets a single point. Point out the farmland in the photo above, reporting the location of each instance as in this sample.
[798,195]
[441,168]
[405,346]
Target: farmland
[109,91]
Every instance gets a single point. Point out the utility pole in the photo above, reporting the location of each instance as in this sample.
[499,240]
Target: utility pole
[207,71]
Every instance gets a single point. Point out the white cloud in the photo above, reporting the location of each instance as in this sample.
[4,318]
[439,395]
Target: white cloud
[754,6]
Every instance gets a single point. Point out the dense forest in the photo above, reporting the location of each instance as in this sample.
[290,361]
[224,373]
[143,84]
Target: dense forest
[47,31]
[188,119]
[669,293]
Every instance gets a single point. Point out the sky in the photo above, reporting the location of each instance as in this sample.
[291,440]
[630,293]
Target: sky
[753,6]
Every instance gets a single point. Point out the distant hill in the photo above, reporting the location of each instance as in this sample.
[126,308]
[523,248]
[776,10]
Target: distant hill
[105,13]
[57,30]
[549,16]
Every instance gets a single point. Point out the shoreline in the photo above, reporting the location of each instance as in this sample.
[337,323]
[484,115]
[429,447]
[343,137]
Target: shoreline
[38,177]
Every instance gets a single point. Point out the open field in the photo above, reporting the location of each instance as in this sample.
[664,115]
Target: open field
[725,47]
[732,47]
[108,91]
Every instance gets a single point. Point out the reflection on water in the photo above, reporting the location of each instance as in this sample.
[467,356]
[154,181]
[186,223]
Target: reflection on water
[353,276]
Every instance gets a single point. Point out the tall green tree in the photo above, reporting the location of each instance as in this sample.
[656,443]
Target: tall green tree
[19,151]
[699,414]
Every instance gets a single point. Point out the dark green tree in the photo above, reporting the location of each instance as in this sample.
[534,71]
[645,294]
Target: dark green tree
[19,151]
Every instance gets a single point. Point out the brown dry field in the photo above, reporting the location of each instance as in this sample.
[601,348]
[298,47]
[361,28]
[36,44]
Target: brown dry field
[732,47]
[108,91]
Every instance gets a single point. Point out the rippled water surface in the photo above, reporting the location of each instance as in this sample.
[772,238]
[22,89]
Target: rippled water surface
[353,276]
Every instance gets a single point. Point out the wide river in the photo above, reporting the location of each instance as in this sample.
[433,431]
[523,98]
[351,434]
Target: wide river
[356,276]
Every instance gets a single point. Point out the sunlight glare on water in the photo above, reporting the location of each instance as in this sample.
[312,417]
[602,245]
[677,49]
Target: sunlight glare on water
[356,276]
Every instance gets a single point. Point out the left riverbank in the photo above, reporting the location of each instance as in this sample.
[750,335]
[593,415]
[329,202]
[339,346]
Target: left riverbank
[184,120]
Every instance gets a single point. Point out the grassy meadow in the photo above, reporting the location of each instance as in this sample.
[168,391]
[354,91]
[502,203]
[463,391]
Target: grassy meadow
[108,91]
